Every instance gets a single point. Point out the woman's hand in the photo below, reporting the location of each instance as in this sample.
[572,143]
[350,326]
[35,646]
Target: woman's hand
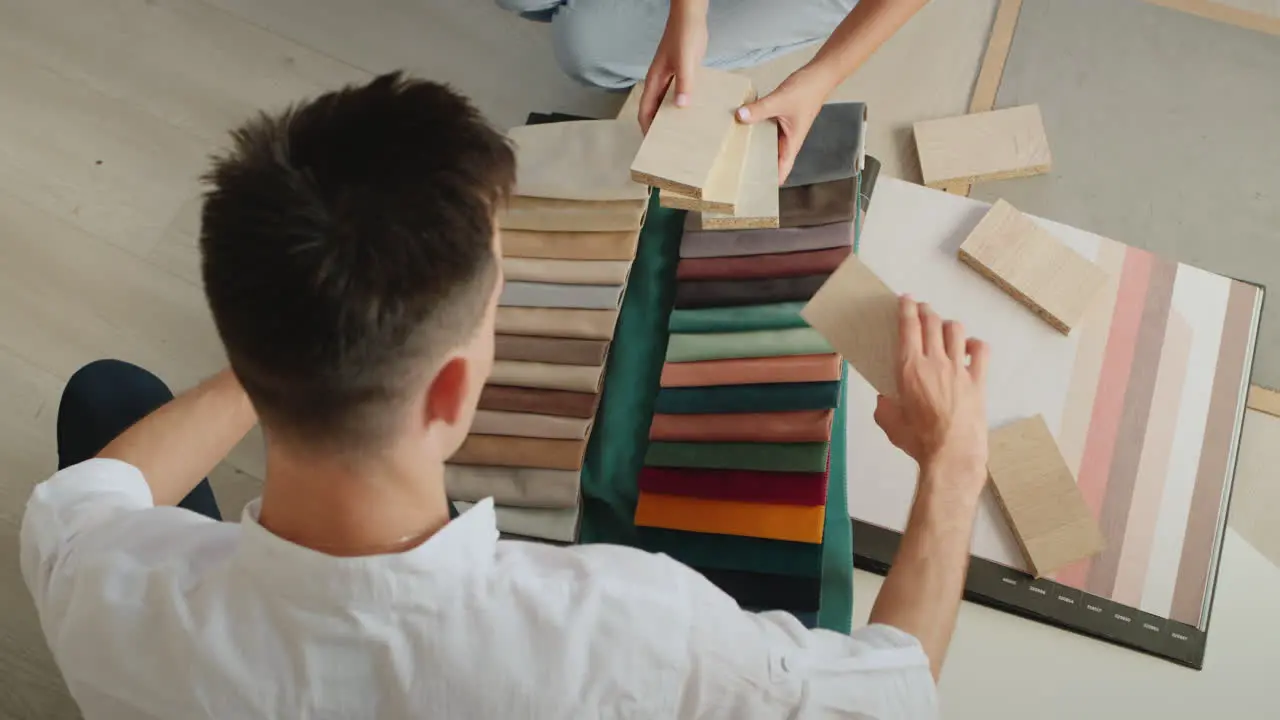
[678,57]
[794,105]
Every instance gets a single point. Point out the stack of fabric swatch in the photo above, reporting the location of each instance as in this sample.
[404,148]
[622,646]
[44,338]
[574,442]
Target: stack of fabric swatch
[569,236]
[736,474]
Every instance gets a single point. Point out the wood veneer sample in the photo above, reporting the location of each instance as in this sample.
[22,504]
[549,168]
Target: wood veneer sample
[757,205]
[858,315]
[683,145]
[1012,251]
[1040,498]
[578,160]
[991,145]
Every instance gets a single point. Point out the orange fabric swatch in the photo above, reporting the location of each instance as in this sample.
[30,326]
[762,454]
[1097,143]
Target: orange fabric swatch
[731,517]
[773,427]
[752,371]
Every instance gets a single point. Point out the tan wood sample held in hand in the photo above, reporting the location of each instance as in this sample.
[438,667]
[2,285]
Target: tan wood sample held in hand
[1012,251]
[1040,498]
[983,146]
[858,315]
[757,205]
[683,145]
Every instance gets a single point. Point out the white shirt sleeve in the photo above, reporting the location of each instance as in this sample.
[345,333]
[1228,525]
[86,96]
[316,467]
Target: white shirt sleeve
[87,522]
[768,665]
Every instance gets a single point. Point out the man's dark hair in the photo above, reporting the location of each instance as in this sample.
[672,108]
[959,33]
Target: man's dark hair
[347,246]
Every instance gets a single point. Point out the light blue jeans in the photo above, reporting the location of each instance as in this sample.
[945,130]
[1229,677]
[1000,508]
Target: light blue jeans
[609,43]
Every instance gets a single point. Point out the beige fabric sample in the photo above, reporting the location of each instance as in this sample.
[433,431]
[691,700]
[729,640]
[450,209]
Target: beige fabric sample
[554,427]
[520,487]
[549,214]
[557,322]
[548,376]
[579,160]
[569,272]
[564,351]
[571,245]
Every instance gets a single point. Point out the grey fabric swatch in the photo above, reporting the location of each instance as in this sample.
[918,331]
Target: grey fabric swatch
[519,293]
[833,148]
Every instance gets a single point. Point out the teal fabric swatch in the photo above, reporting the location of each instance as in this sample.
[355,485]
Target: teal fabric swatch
[773,397]
[774,316]
[733,552]
[774,457]
[691,347]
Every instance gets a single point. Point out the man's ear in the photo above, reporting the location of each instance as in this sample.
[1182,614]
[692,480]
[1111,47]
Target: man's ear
[447,394]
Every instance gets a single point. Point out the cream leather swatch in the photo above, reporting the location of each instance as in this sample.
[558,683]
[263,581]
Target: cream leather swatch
[572,272]
[548,376]
[556,322]
[579,160]
[555,427]
[521,487]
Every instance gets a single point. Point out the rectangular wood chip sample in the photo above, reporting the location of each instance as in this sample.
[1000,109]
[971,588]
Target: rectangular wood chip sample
[983,146]
[1012,251]
[578,160]
[683,144]
[858,315]
[1040,498]
[757,206]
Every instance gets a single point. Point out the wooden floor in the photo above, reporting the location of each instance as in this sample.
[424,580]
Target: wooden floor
[108,111]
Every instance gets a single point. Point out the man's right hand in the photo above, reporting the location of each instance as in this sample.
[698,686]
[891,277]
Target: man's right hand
[939,417]
[677,59]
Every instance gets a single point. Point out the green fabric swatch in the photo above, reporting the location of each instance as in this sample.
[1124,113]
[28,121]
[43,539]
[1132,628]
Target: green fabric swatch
[774,457]
[690,347]
[743,318]
[773,397]
[619,437]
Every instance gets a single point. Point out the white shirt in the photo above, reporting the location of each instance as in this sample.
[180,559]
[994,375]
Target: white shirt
[157,612]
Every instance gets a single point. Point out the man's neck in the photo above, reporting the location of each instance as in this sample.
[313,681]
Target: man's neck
[337,507]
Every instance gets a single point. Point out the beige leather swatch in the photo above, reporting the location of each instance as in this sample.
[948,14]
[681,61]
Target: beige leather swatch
[568,245]
[555,427]
[506,451]
[579,160]
[567,272]
[548,376]
[519,487]
[557,322]
[531,213]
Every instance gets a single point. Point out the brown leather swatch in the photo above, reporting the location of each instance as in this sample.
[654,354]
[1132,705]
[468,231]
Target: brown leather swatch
[757,267]
[533,400]
[770,427]
[566,351]
[752,371]
[570,245]
[502,451]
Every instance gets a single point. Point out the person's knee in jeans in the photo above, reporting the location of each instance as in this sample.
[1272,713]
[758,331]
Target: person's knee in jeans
[100,401]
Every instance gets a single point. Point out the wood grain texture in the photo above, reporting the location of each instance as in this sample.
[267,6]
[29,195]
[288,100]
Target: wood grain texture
[579,160]
[858,315]
[992,145]
[1264,400]
[1040,498]
[1033,266]
[757,206]
[683,145]
[992,70]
